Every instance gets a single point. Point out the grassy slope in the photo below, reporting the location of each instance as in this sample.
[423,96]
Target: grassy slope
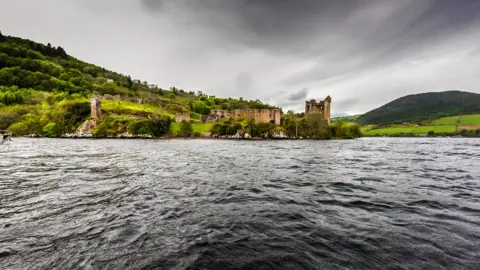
[473,119]
[406,130]
[350,118]
[421,107]
[127,107]
[450,120]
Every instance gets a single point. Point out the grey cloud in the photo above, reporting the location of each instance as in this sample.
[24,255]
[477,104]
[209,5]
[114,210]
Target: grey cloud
[302,94]
[244,81]
[363,53]
[345,104]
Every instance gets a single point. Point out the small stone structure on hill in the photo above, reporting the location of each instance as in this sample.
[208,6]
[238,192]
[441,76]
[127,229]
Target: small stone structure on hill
[180,117]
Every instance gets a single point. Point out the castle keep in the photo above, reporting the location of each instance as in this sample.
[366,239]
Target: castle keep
[312,106]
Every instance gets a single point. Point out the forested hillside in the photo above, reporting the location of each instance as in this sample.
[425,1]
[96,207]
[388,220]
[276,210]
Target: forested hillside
[43,90]
[420,107]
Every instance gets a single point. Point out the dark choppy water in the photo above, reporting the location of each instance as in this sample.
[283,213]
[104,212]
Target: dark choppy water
[142,204]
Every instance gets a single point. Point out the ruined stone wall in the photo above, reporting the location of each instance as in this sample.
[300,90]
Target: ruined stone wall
[95,107]
[216,115]
[180,117]
[258,115]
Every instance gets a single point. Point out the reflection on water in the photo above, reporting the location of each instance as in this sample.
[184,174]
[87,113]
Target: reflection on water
[141,204]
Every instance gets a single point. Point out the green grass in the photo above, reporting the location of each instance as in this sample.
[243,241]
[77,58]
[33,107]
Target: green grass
[472,119]
[203,127]
[199,127]
[175,128]
[127,107]
[450,120]
[365,129]
[414,130]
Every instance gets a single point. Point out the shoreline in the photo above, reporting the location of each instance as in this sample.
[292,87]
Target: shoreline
[229,139]
[181,138]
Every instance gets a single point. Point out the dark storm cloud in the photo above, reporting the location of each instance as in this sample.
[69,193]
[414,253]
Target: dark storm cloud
[363,53]
[300,95]
[343,39]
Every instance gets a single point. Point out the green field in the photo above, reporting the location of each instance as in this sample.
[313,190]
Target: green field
[127,107]
[450,120]
[407,130]
[198,127]
[473,119]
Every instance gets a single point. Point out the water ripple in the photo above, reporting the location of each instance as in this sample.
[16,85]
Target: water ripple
[378,203]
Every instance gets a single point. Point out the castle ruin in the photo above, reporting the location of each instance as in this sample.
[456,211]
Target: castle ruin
[257,115]
[273,116]
[312,106]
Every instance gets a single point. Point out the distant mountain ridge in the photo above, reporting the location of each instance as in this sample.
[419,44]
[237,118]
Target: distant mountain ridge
[423,106]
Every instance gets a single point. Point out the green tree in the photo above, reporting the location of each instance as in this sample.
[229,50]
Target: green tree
[201,107]
[2,37]
[315,126]
[18,129]
[129,82]
[186,128]
[101,130]
[52,130]
[174,90]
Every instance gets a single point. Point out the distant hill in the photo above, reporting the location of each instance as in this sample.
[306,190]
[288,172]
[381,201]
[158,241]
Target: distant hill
[346,118]
[419,107]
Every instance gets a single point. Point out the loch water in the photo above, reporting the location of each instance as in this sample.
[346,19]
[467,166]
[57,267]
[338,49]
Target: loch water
[371,203]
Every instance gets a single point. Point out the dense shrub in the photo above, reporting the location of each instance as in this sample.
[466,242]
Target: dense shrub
[52,130]
[186,128]
[14,95]
[157,127]
[18,129]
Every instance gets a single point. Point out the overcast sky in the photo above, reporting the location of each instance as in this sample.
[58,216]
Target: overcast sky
[362,53]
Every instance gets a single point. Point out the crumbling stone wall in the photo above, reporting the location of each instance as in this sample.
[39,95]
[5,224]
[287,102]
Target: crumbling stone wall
[180,117]
[257,115]
[216,115]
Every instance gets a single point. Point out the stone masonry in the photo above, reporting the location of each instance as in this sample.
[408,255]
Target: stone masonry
[180,117]
[257,115]
[95,107]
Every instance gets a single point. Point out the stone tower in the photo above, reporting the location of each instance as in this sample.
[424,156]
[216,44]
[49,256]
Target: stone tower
[95,107]
[312,106]
[326,108]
